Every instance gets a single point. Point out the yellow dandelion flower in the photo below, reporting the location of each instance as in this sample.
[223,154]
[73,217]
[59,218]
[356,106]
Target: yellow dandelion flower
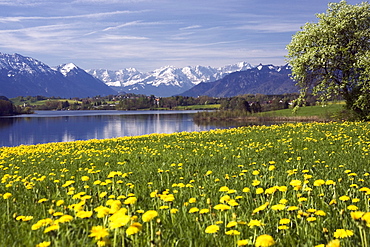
[133,228]
[366,218]
[224,189]
[334,243]
[212,229]
[130,200]
[225,198]
[119,219]
[255,172]
[352,207]
[44,244]
[51,228]
[7,195]
[264,241]
[343,233]
[60,202]
[193,210]
[259,191]
[271,190]
[222,207]
[204,211]
[167,198]
[311,210]
[284,221]
[278,207]
[318,182]
[283,201]
[256,182]
[295,183]
[232,232]
[282,188]
[84,214]
[254,223]
[174,210]
[233,203]
[283,227]
[344,198]
[261,208]
[330,182]
[208,173]
[231,224]
[333,202]
[65,218]
[357,215]
[320,213]
[98,232]
[68,183]
[243,242]
[246,190]
[192,200]
[311,219]
[103,194]
[149,215]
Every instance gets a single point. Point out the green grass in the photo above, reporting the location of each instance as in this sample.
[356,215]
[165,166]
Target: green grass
[198,107]
[306,111]
[314,176]
[42,102]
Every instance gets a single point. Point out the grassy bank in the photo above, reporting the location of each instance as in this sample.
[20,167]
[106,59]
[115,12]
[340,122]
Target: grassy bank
[323,113]
[282,185]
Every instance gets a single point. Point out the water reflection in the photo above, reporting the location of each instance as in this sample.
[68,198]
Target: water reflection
[60,127]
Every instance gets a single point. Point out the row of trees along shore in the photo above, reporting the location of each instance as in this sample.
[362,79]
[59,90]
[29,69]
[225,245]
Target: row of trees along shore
[7,108]
[249,103]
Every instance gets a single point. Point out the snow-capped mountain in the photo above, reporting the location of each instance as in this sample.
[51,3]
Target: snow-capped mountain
[165,81]
[18,64]
[26,76]
[263,79]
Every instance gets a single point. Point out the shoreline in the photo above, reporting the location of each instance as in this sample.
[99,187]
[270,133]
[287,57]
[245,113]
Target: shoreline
[266,119]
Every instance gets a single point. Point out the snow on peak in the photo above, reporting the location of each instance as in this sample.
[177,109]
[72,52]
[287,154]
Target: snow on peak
[66,68]
[20,63]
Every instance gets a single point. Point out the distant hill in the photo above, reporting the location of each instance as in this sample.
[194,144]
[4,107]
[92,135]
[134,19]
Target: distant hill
[26,76]
[262,79]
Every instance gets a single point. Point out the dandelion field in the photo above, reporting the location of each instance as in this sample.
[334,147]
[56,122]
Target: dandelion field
[281,185]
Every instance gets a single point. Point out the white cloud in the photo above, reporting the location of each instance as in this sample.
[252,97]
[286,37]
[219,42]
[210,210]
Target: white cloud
[272,27]
[106,38]
[190,27]
[93,15]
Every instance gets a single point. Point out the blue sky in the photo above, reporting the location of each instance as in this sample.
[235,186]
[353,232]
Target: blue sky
[148,34]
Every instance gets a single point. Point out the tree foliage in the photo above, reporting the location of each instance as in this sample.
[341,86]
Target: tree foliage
[331,57]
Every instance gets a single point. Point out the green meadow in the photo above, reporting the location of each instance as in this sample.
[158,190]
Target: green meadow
[280,185]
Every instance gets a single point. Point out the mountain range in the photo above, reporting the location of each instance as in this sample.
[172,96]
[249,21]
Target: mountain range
[165,81]
[26,76]
[262,79]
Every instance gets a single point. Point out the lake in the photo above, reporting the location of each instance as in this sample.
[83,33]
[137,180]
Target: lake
[63,126]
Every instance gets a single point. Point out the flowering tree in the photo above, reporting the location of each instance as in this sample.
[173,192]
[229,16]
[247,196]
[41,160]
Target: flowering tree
[332,57]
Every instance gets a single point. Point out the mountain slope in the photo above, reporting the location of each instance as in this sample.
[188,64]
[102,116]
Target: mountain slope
[25,76]
[263,79]
[84,82]
[166,81]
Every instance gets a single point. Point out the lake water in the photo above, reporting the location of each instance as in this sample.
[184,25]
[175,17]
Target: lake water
[62,126]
